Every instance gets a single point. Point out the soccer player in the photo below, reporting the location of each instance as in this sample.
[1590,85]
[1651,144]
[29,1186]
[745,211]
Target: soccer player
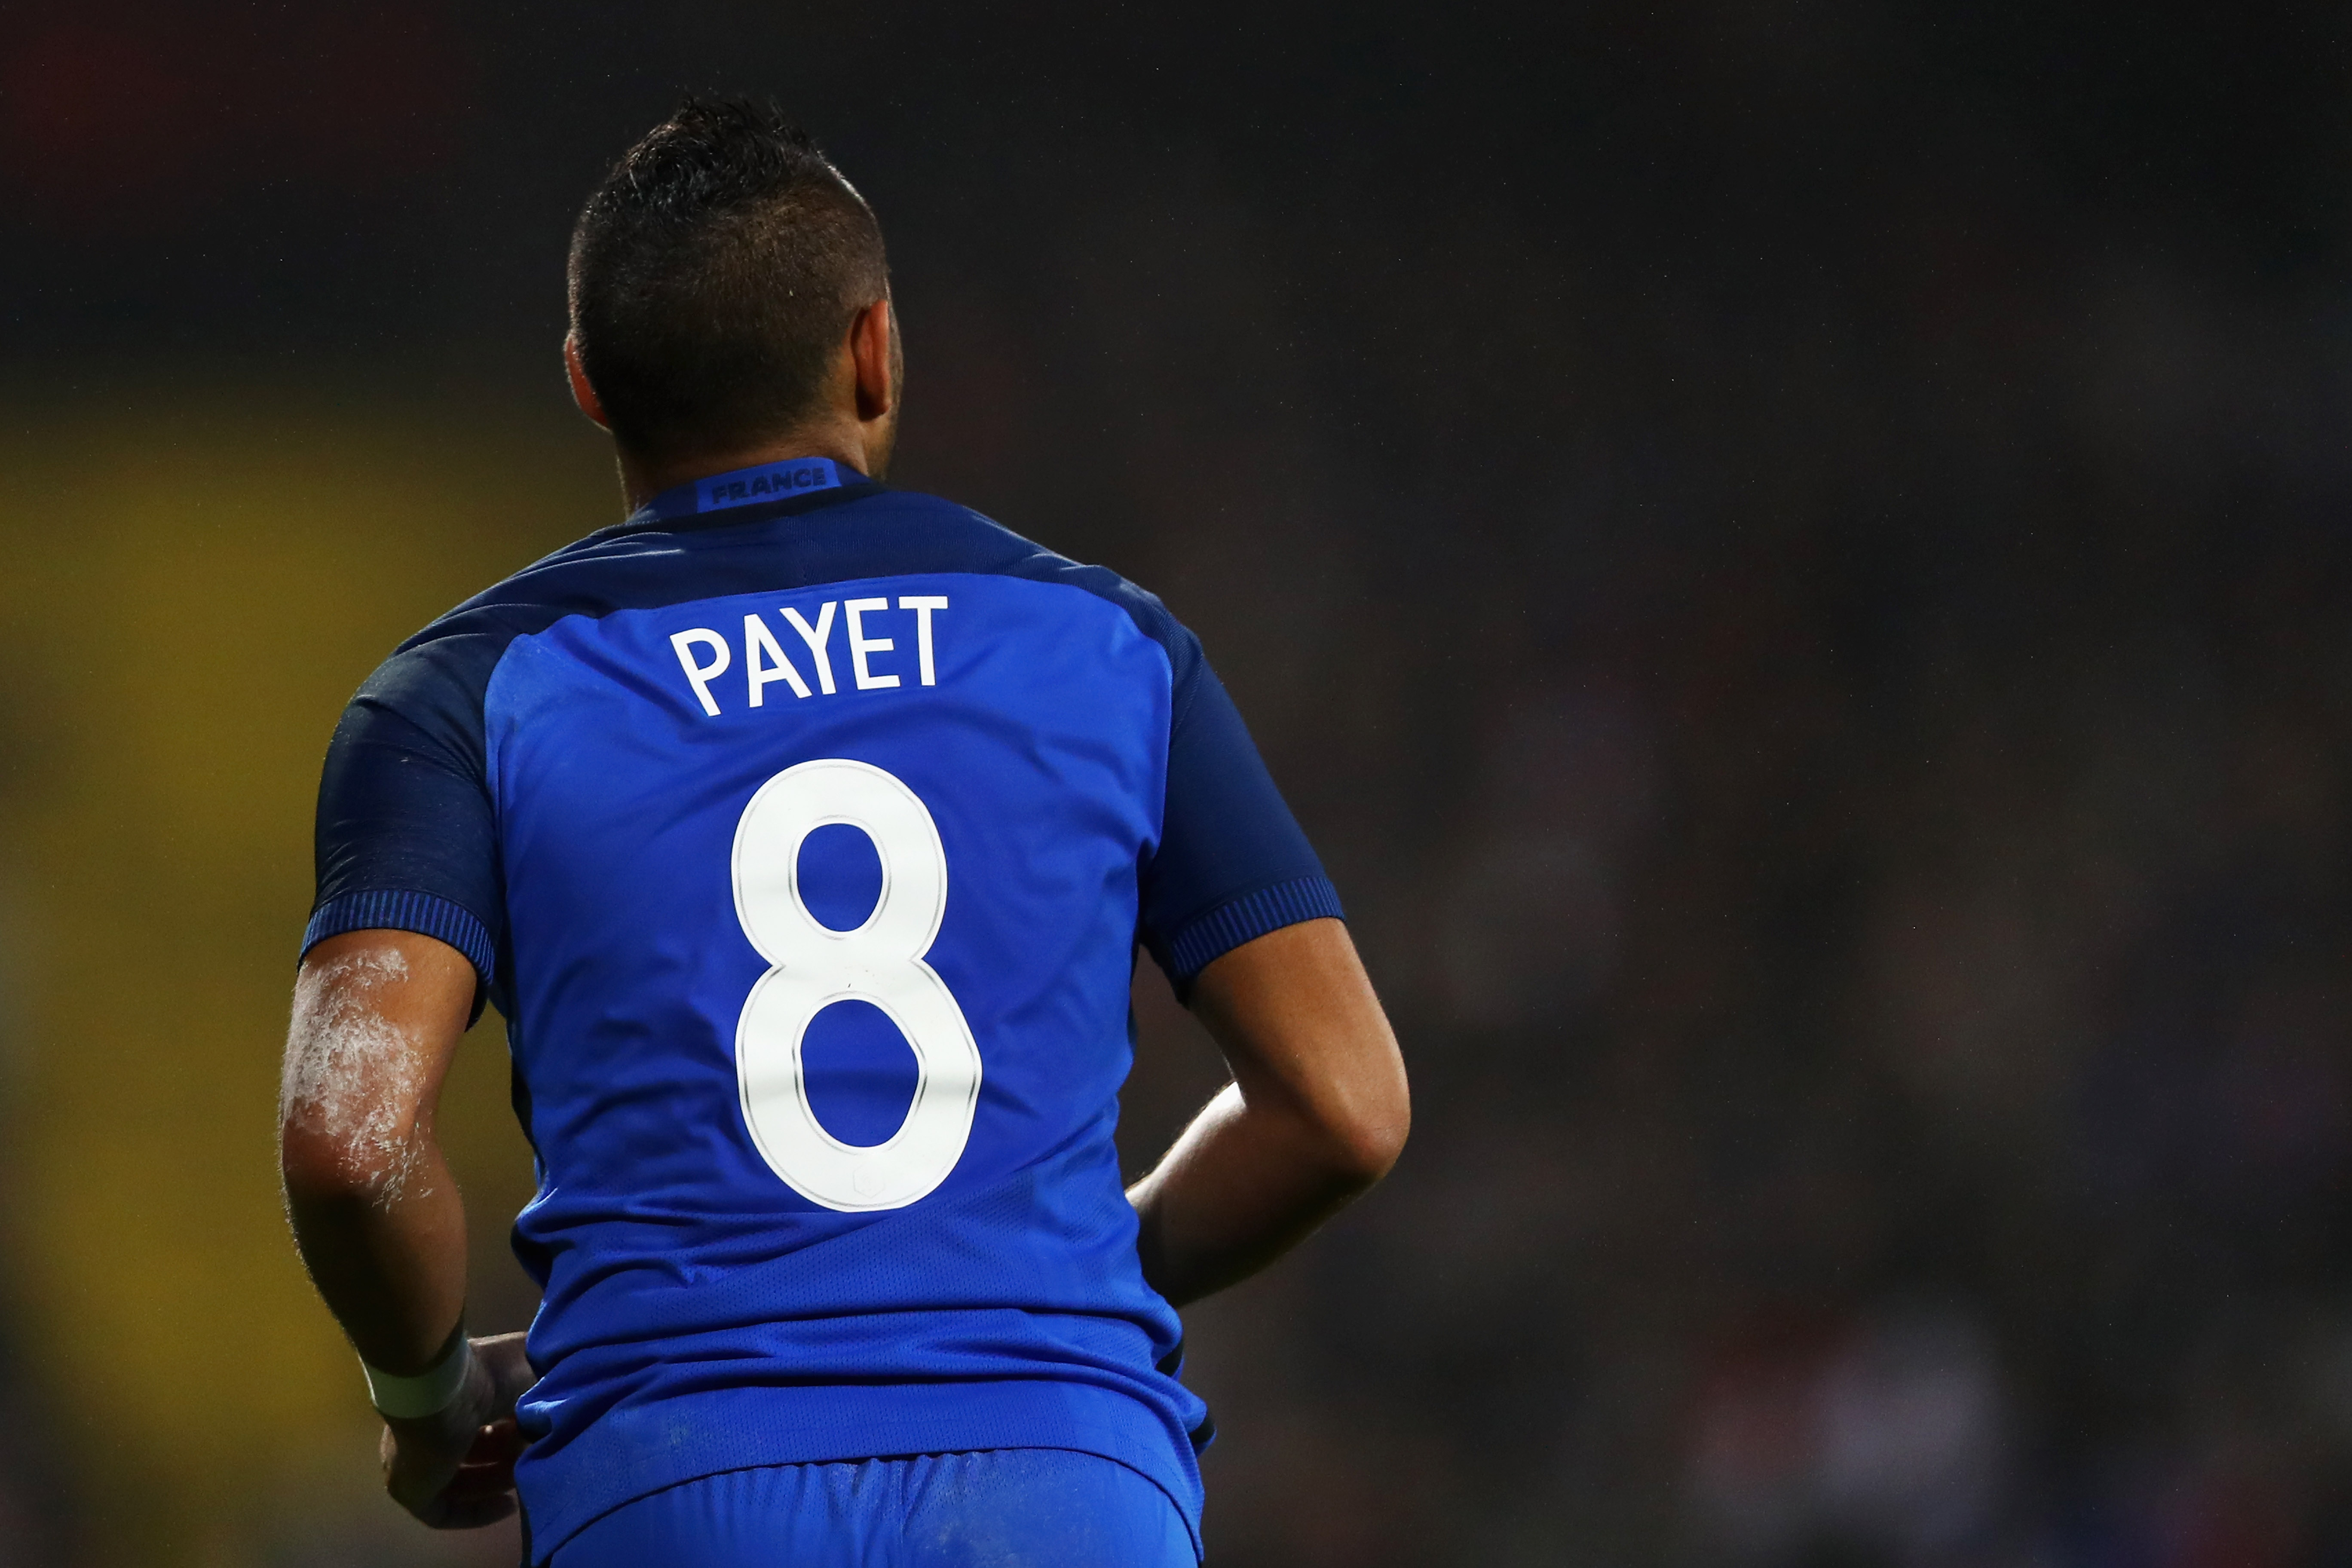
[805,832]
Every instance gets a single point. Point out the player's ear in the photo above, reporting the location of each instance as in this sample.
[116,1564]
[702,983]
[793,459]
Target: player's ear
[581,393]
[872,353]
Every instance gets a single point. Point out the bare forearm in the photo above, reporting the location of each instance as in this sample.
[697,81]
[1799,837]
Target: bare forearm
[1243,1186]
[377,1015]
[389,1266]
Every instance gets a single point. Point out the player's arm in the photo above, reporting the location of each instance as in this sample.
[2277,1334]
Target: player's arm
[1317,1112]
[377,1018]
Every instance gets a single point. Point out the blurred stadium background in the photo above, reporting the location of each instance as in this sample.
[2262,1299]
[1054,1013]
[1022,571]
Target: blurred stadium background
[1795,558]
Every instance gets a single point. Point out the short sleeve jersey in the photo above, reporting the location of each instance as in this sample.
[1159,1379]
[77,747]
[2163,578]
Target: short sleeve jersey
[804,831]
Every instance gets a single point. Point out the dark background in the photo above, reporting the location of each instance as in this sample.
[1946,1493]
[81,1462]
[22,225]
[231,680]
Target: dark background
[1791,556]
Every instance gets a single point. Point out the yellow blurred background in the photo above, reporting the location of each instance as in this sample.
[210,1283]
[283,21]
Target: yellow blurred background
[194,596]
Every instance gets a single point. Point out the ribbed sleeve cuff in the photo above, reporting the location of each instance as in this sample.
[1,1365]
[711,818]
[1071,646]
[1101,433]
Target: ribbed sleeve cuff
[396,909]
[1213,935]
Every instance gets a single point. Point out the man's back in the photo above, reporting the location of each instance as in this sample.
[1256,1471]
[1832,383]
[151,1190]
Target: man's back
[804,833]
[774,788]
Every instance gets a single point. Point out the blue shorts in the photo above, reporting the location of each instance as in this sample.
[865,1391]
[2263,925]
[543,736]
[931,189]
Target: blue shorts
[1038,1508]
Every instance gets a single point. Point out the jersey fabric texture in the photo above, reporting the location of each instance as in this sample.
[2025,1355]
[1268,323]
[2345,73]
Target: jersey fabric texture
[1006,1508]
[804,835]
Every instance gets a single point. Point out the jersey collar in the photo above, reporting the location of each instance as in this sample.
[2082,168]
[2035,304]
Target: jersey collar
[755,486]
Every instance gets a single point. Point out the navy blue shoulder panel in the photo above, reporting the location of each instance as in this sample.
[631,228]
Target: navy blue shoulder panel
[407,838]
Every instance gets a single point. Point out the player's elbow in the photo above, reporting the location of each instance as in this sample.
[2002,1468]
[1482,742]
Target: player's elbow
[1365,1140]
[315,1166]
[1377,1148]
[331,1163]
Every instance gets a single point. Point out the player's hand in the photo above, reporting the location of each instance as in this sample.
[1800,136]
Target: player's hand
[455,1470]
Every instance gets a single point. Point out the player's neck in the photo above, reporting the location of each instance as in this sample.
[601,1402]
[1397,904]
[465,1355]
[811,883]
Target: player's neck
[843,441]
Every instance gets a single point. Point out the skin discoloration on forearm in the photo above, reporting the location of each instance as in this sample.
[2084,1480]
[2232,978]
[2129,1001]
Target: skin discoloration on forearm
[353,1077]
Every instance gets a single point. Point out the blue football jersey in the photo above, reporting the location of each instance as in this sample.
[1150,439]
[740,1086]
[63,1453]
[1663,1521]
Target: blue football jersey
[804,831]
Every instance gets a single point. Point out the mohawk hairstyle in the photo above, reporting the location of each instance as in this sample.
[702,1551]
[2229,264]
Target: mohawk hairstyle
[713,275]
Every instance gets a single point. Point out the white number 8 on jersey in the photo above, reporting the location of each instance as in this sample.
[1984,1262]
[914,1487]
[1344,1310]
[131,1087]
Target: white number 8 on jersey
[815,966]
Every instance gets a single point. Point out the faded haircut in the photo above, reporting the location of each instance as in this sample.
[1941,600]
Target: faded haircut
[713,276]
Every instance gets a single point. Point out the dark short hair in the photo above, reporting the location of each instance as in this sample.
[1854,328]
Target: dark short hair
[713,276]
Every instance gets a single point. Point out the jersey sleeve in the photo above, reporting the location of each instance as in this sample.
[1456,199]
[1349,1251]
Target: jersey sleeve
[407,834]
[1232,862]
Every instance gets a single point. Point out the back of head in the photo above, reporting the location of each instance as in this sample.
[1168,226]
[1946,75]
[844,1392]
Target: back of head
[714,276]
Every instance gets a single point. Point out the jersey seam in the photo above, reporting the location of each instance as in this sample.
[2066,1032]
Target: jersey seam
[515,624]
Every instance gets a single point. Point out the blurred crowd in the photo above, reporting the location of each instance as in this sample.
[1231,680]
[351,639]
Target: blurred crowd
[1874,968]
[1794,563]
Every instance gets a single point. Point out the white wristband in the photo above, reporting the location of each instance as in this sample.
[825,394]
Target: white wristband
[428,1393]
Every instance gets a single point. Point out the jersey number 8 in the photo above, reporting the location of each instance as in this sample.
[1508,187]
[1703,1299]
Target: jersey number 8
[812,966]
